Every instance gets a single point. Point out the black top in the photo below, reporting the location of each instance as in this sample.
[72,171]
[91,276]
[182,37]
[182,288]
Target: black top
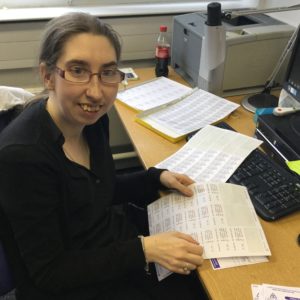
[214,14]
[71,238]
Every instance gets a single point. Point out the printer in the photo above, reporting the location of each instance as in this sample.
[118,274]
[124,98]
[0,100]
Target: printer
[254,45]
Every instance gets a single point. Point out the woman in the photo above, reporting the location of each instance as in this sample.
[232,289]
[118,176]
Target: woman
[75,233]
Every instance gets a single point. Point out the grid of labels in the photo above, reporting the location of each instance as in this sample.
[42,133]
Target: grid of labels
[194,112]
[202,166]
[153,93]
[206,223]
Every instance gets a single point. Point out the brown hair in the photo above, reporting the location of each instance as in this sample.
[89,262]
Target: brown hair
[59,30]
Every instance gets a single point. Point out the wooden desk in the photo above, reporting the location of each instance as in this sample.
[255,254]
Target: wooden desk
[283,267]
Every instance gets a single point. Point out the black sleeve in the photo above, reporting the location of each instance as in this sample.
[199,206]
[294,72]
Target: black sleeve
[31,199]
[139,188]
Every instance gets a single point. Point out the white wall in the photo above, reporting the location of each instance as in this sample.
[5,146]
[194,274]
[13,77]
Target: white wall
[289,17]
[276,3]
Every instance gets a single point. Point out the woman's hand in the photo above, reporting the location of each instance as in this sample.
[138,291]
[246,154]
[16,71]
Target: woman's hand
[177,181]
[175,251]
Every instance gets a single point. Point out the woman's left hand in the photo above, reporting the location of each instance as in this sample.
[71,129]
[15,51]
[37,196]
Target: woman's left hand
[177,181]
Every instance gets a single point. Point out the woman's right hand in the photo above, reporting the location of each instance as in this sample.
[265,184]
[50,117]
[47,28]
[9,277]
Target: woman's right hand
[175,251]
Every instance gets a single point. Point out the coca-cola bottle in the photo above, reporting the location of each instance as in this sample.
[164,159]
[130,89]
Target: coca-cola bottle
[162,53]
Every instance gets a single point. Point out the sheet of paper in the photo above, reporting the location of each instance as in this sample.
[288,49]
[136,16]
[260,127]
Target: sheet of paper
[153,93]
[213,154]
[221,217]
[275,292]
[256,291]
[230,262]
[194,112]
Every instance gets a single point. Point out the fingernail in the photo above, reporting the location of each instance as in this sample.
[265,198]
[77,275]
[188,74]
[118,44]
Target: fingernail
[189,193]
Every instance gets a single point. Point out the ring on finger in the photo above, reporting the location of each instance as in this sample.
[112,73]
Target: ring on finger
[186,268]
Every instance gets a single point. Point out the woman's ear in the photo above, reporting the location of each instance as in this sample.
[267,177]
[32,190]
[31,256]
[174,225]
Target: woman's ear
[47,77]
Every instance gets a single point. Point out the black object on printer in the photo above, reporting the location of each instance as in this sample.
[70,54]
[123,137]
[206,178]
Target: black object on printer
[214,14]
[281,136]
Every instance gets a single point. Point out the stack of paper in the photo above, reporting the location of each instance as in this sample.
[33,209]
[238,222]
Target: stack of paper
[220,216]
[173,110]
[209,156]
[153,93]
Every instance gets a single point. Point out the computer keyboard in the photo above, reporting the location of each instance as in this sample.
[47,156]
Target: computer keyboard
[274,191]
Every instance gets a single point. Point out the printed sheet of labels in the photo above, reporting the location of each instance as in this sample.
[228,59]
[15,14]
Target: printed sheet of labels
[213,154]
[153,93]
[220,216]
[195,111]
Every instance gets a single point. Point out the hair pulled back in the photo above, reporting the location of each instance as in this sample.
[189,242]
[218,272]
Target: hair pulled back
[59,30]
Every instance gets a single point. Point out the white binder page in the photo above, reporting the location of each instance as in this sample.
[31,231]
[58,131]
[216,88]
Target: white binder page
[221,217]
[152,94]
[212,154]
[194,112]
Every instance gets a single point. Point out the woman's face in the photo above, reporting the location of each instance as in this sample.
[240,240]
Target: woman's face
[83,104]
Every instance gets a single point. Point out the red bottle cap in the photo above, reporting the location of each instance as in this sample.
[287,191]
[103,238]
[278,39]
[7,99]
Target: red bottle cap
[163,28]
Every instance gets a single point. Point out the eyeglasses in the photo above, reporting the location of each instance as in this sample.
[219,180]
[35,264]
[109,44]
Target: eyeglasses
[80,75]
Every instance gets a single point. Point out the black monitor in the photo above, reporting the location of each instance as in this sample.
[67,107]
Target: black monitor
[292,80]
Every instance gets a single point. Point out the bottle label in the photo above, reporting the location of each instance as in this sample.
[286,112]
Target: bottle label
[162,52]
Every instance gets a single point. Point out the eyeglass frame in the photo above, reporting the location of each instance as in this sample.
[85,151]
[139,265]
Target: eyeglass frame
[62,72]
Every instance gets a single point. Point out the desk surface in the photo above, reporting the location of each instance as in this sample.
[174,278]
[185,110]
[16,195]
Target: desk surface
[283,267]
